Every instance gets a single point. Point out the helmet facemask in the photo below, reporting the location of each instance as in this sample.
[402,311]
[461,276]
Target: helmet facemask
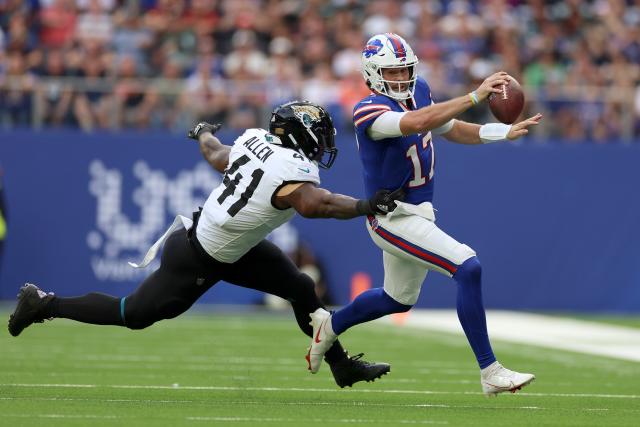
[389,85]
[326,140]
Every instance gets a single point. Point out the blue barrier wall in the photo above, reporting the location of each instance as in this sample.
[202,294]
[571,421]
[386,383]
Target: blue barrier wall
[555,226]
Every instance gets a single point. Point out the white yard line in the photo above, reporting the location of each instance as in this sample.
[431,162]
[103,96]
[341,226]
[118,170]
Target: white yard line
[309,390]
[395,421]
[533,329]
[304,403]
[90,416]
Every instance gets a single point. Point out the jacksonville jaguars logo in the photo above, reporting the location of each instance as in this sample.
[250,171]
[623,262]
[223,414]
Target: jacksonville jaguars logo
[372,48]
[307,114]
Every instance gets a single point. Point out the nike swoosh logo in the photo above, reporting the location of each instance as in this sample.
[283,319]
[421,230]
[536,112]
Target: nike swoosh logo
[318,340]
[366,102]
[305,170]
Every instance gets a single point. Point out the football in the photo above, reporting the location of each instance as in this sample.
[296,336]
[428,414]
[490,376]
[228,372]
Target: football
[507,106]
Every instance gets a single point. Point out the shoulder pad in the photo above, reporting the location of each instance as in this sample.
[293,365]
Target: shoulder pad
[371,107]
[300,168]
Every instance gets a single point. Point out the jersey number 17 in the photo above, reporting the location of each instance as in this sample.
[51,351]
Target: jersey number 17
[412,154]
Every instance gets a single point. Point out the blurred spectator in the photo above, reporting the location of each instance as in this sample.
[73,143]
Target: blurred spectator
[313,51]
[94,24]
[352,89]
[321,88]
[386,16]
[202,17]
[283,73]
[19,37]
[159,106]
[16,89]
[128,94]
[204,97]
[56,95]
[91,105]
[346,60]
[130,38]
[58,21]
[245,61]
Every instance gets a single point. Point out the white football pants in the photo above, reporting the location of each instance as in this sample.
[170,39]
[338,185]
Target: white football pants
[412,245]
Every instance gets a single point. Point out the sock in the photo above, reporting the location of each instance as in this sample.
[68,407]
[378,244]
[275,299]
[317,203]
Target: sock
[94,308]
[471,311]
[367,306]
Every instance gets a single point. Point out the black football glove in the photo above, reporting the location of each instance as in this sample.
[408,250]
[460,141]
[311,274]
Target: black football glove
[201,127]
[383,202]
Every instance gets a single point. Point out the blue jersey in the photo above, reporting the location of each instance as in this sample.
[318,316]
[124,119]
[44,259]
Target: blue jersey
[391,163]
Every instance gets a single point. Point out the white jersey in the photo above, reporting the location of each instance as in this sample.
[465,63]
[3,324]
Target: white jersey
[239,213]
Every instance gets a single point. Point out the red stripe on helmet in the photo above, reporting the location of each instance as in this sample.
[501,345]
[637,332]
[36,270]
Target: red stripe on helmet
[398,47]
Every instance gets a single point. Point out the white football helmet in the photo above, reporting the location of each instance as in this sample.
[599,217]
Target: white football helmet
[388,50]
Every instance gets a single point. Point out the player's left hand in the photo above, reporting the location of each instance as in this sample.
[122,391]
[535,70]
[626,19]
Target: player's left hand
[202,127]
[521,128]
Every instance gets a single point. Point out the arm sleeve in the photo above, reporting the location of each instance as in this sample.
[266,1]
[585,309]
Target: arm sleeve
[387,125]
[444,128]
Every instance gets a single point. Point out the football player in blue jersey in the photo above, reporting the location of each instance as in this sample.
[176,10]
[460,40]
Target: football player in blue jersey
[394,127]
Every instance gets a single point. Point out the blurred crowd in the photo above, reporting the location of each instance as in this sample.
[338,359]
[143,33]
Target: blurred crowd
[165,64]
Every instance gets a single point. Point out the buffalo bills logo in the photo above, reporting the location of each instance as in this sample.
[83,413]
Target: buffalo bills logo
[372,48]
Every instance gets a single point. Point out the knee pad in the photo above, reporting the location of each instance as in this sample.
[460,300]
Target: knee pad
[469,271]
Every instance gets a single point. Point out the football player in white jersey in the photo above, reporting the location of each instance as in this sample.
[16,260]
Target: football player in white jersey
[268,176]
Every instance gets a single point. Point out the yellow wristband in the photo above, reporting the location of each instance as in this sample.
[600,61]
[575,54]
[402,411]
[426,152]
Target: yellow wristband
[474,98]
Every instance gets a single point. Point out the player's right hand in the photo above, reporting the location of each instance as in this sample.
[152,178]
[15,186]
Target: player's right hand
[384,201]
[492,85]
[202,127]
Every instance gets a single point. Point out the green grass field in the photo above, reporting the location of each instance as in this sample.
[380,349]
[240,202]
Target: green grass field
[249,370]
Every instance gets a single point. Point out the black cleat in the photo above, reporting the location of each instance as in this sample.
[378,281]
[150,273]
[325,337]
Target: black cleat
[31,304]
[349,371]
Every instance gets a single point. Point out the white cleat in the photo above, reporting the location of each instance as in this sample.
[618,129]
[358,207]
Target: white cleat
[498,379]
[321,340]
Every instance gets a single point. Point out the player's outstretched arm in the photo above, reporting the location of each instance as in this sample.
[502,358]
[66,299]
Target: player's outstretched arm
[436,115]
[471,133]
[314,202]
[214,151]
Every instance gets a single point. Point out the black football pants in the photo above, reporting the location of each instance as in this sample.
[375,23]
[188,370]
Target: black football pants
[186,272]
